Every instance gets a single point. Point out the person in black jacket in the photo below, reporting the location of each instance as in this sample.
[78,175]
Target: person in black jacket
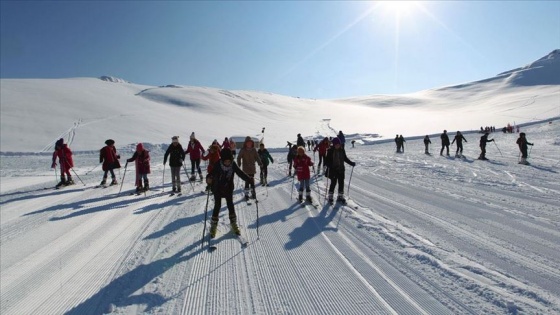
[459,138]
[292,152]
[444,142]
[221,181]
[176,156]
[483,141]
[522,143]
[335,159]
[427,143]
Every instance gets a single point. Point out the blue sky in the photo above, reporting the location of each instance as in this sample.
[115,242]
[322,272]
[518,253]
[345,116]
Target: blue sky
[315,49]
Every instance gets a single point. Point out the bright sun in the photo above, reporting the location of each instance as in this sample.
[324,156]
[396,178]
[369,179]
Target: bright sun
[400,7]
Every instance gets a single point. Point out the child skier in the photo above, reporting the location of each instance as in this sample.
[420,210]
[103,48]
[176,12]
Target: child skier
[110,159]
[221,181]
[483,141]
[292,152]
[142,160]
[522,143]
[247,158]
[444,142]
[302,162]
[459,138]
[176,156]
[427,143]
[266,158]
[212,157]
[335,159]
[322,148]
[195,151]
[64,154]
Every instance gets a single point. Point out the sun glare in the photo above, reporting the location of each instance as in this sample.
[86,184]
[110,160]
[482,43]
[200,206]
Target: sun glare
[400,7]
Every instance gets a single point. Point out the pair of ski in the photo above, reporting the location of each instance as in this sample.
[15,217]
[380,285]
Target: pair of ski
[213,243]
[173,193]
[348,203]
[313,203]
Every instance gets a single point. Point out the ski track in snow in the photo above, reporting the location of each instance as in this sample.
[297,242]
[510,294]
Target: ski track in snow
[420,235]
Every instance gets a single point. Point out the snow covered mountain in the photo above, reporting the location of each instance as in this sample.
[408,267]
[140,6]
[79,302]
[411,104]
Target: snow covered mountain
[86,111]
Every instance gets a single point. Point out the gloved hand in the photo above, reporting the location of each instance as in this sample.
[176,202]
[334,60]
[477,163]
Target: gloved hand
[208,179]
[353,164]
[164,161]
[53,165]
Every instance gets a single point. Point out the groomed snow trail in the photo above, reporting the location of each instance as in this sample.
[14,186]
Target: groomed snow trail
[420,235]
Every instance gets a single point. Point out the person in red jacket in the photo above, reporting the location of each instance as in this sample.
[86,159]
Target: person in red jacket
[195,151]
[302,162]
[142,160]
[212,157]
[110,159]
[64,154]
[322,148]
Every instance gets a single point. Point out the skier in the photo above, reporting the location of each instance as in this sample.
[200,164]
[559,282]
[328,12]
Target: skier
[247,158]
[397,143]
[427,143]
[195,151]
[225,144]
[64,154]
[353,142]
[335,159]
[459,138]
[522,143]
[302,162]
[483,141]
[265,157]
[176,155]
[342,138]
[401,142]
[444,142]
[142,160]
[110,159]
[308,145]
[300,142]
[221,181]
[212,157]
[232,146]
[322,148]
[292,152]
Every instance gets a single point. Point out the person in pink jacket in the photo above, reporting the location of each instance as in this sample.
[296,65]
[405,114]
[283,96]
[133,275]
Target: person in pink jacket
[64,155]
[142,159]
[302,162]
[195,151]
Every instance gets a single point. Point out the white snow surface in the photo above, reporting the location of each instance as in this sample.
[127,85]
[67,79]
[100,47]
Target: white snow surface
[421,234]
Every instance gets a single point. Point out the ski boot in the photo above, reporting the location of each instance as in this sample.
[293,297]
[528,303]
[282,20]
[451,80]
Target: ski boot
[200,176]
[309,199]
[341,199]
[213,228]
[253,194]
[235,228]
[146,185]
[192,178]
[69,182]
[61,183]
[331,200]
[300,198]
[113,182]
[103,182]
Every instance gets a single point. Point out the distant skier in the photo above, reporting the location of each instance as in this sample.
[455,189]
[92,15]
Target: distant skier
[401,142]
[212,157]
[221,181]
[322,148]
[266,158]
[342,138]
[522,143]
[302,162]
[64,155]
[195,151]
[308,145]
[483,141]
[353,142]
[225,144]
[292,152]
[459,138]
[397,144]
[300,142]
[335,159]
[444,142]
[427,143]
[176,155]
[247,158]
[141,157]
[110,159]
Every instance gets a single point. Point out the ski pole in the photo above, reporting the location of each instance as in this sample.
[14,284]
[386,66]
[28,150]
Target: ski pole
[498,148]
[55,175]
[292,193]
[78,176]
[92,169]
[257,205]
[349,181]
[187,174]
[122,179]
[205,219]
[163,179]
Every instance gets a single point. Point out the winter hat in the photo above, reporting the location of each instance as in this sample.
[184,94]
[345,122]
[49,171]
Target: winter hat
[109,142]
[335,141]
[249,140]
[139,147]
[225,154]
[192,135]
[175,139]
[59,142]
